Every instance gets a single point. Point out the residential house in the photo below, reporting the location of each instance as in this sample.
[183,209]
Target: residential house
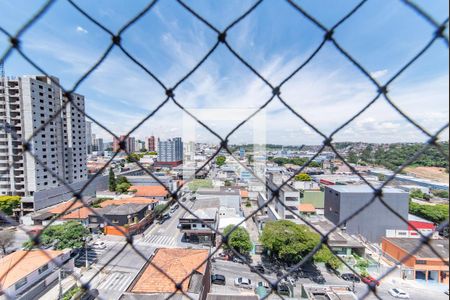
[157,192]
[128,218]
[190,267]
[32,273]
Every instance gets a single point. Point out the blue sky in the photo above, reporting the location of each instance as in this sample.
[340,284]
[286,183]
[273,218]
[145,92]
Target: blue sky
[275,39]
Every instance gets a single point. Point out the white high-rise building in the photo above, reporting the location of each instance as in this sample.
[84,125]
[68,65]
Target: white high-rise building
[27,103]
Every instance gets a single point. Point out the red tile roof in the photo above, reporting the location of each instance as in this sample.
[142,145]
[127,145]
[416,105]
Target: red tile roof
[19,264]
[81,213]
[176,263]
[136,200]
[65,205]
[149,191]
[306,208]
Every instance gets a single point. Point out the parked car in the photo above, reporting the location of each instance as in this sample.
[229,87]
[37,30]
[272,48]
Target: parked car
[319,279]
[98,245]
[257,268]
[285,290]
[370,280]
[163,218]
[265,285]
[350,277]
[218,279]
[398,293]
[243,282]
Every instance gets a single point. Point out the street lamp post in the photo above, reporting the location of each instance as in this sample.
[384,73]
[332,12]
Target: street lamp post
[86,240]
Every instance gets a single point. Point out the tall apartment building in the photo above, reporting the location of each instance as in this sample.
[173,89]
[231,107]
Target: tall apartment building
[129,141]
[151,143]
[26,103]
[89,137]
[170,152]
[98,146]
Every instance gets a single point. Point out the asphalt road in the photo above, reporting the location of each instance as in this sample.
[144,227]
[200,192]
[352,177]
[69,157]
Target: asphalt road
[121,266]
[233,270]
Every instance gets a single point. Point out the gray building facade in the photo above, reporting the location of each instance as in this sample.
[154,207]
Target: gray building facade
[170,150]
[371,223]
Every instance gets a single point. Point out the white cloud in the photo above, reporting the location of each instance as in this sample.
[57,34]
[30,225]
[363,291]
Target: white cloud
[327,96]
[80,29]
[379,74]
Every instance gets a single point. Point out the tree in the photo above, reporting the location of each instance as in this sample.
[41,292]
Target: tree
[62,236]
[352,157]
[418,194]
[133,157]
[6,239]
[288,241]
[112,180]
[324,255]
[291,242]
[435,213]
[8,203]
[315,164]
[220,160]
[239,240]
[303,177]
[122,188]
[159,209]
[440,194]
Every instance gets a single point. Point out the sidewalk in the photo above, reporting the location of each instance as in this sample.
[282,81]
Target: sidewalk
[54,293]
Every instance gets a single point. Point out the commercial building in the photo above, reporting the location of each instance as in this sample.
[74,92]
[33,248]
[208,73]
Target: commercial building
[287,197]
[423,264]
[190,267]
[170,152]
[196,226]
[342,201]
[27,103]
[151,144]
[33,272]
[98,145]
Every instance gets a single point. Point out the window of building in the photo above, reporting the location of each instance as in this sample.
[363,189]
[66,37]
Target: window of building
[21,283]
[43,269]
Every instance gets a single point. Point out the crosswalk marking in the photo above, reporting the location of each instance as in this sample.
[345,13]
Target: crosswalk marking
[116,281]
[160,240]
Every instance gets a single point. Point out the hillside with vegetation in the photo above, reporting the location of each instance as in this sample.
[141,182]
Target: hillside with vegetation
[394,155]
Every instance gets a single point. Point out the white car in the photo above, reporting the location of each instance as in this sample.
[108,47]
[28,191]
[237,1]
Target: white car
[398,293]
[243,283]
[98,245]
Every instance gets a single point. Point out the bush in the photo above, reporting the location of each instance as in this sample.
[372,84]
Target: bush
[72,292]
[434,213]
[440,194]
[303,177]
